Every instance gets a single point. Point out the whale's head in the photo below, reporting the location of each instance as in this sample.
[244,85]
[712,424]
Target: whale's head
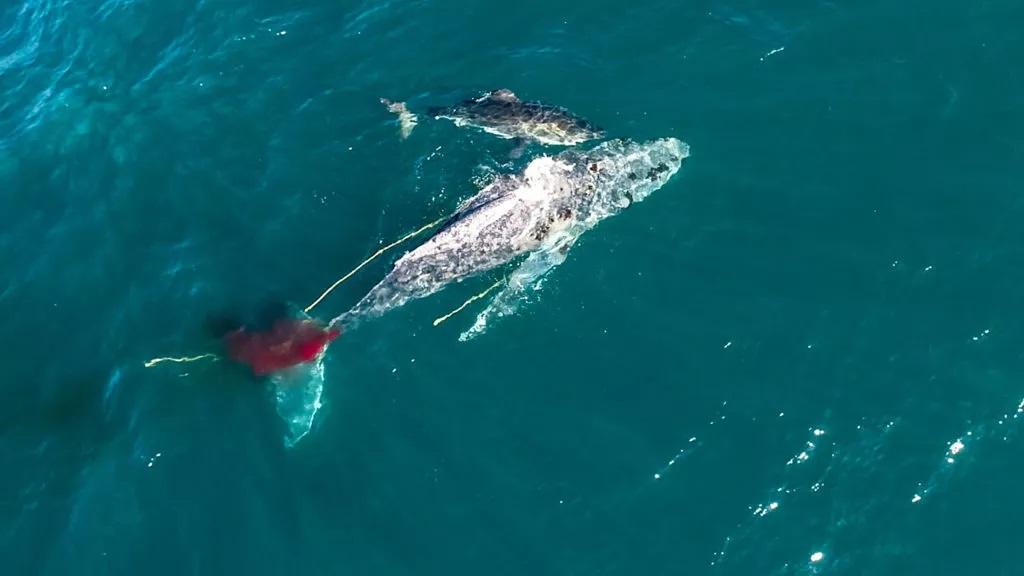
[619,173]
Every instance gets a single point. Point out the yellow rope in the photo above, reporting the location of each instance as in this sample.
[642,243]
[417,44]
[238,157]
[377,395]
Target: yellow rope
[368,260]
[155,361]
[467,303]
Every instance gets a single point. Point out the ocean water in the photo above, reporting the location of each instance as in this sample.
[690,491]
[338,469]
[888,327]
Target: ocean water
[801,356]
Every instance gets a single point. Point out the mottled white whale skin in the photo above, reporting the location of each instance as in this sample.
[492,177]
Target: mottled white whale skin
[552,202]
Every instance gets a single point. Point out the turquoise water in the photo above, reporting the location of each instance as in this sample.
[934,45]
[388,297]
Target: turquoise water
[807,343]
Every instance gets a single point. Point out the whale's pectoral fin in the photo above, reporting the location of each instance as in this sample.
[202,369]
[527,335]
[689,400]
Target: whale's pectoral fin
[518,147]
[522,282]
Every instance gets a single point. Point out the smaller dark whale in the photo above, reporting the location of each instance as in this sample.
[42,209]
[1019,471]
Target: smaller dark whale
[503,114]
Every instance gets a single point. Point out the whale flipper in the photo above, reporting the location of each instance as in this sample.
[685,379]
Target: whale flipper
[518,147]
[524,280]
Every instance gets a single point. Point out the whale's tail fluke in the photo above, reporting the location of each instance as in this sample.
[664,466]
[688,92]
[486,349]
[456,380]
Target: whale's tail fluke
[289,353]
[406,120]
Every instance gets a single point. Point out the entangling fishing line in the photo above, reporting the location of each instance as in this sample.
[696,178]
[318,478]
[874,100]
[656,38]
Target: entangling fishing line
[371,258]
[155,361]
[468,302]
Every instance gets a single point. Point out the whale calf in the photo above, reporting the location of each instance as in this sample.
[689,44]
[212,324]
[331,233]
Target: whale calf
[540,211]
[503,114]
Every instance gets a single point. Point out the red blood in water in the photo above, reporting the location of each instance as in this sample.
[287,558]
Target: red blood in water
[289,343]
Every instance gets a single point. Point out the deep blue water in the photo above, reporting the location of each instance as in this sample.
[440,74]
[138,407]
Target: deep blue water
[802,356]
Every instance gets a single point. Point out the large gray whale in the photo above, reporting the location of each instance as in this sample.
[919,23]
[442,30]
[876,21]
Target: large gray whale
[541,212]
